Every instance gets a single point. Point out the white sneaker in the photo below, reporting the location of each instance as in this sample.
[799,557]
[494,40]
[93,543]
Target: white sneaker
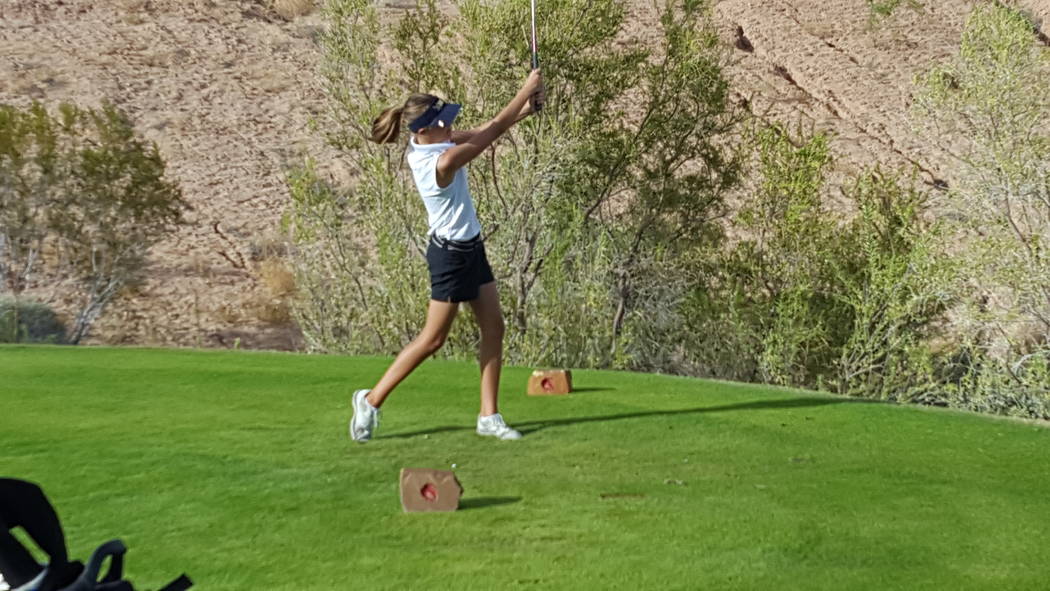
[494,426]
[365,419]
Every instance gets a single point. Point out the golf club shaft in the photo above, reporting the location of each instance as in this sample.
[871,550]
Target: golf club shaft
[535,51]
[535,54]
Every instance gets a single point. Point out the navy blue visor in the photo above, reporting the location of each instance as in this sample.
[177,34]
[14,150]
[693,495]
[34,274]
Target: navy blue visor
[439,113]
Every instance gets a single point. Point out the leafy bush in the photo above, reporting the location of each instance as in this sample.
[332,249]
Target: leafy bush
[1019,389]
[992,103]
[760,309]
[897,288]
[806,299]
[25,321]
[993,98]
[81,198]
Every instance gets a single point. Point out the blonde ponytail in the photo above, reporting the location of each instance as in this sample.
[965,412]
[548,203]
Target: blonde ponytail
[387,126]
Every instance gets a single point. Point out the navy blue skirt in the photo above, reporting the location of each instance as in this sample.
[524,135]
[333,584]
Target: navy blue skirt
[458,269]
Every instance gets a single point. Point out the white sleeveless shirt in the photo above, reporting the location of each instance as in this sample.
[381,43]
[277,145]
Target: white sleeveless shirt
[450,209]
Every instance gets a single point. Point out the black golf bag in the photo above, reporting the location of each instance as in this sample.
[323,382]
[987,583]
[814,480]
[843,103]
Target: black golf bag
[23,504]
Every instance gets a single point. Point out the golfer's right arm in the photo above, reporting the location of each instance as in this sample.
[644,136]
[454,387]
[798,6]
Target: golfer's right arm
[457,157]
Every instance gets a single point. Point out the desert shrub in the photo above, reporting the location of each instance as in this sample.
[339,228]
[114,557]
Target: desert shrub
[276,278]
[940,299]
[81,198]
[35,176]
[883,9]
[807,298]
[988,385]
[897,287]
[293,9]
[26,321]
[335,303]
[272,245]
[761,309]
[272,303]
[271,310]
[991,103]
[586,207]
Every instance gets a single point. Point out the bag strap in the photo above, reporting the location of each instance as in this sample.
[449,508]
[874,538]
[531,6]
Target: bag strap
[180,584]
[113,549]
[88,579]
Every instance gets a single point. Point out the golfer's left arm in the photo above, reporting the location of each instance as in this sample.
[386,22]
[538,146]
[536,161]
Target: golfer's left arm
[463,136]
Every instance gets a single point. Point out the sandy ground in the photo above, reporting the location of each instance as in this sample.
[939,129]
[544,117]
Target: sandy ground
[226,88]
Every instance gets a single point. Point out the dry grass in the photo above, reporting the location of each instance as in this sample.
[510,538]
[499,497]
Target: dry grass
[201,265]
[231,314]
[270,245]
[135,11]
[273,311]
[293,9]
[133,5]
[273,83]
[278,280]
[272,305]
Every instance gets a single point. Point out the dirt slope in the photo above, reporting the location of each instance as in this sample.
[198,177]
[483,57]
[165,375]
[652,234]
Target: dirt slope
[226,88]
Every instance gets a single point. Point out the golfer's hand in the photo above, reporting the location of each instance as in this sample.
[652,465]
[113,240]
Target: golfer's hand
[538,99]
[533,84]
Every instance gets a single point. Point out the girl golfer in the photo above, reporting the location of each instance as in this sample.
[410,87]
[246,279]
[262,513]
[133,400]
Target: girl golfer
[459,271]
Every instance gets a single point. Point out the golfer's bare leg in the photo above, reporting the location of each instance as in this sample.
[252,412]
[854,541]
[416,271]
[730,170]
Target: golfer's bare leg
[439,321]
[490,322]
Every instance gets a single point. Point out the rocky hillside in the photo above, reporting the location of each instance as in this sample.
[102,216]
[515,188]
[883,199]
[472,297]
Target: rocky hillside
[226,88]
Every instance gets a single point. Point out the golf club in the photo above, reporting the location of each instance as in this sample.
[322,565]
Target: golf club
[535,53]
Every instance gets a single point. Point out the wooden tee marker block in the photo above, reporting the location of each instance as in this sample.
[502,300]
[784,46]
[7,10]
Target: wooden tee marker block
[429,490]
[550,382]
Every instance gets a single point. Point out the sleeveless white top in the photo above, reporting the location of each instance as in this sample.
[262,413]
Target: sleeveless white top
[450,209]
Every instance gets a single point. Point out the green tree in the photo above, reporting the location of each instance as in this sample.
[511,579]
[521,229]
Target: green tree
[34,176]
[81,187]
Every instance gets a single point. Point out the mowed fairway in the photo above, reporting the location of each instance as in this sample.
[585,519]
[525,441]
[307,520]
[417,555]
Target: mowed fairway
[236,468]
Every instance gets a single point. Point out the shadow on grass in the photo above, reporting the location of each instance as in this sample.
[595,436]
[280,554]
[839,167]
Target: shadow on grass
[532,426]
[482,502]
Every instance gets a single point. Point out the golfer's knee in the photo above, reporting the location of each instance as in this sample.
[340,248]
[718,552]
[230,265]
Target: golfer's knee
[432,343]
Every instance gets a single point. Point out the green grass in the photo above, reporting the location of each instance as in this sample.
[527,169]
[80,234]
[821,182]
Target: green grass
[236,468]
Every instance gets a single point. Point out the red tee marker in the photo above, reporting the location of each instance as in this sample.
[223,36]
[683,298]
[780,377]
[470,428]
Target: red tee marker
[550,382]
[429,490]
